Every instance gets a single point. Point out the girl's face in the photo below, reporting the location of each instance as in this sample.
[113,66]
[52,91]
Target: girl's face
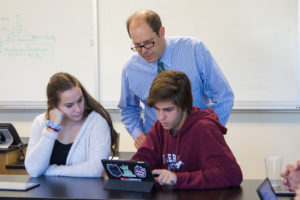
[71,103]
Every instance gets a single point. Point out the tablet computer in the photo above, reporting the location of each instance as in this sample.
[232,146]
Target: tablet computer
[128,175]
[265,191]
[282,191]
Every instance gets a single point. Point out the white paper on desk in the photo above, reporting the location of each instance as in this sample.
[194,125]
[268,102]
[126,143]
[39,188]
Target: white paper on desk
[7,185]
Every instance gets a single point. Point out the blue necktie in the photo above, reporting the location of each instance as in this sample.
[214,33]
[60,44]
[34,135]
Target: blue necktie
[161,67]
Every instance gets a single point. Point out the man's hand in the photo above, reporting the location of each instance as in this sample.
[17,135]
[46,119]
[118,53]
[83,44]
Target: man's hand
[291,176]
[165,177]
[139,140]
[297,197]
[285,175]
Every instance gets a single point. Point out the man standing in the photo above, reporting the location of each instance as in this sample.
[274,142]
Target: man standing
[156,53]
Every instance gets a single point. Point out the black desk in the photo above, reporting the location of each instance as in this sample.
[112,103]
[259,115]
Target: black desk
[92,188]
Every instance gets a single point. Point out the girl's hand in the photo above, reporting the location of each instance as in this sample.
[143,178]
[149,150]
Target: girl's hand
[56,116]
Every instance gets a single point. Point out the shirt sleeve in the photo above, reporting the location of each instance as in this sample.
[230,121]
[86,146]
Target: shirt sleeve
[129,105]
[216,87]
[98,148]
[219,170]
[39,148]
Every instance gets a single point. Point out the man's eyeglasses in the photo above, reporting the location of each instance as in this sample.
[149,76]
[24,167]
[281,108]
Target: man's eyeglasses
[140,47]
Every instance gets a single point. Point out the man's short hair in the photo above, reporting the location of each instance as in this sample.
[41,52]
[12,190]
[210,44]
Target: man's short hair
[151,18]
[172,86]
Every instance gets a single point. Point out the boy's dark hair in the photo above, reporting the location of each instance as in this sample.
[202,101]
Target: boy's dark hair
[172,86]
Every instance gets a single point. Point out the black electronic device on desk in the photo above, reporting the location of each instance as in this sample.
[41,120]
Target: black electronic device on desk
[267,192]
[9,137]
[128,175]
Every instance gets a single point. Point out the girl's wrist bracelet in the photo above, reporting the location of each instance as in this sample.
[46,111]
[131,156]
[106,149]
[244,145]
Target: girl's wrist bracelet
[50,125]
[56,130]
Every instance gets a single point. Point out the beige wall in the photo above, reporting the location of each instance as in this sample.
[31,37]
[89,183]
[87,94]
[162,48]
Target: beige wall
[251,136]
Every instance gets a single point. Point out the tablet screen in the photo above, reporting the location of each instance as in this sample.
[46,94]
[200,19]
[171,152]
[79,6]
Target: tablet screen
[265,191]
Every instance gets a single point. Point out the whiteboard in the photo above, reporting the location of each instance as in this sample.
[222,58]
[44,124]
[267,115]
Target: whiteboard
[255,43]
[40,38]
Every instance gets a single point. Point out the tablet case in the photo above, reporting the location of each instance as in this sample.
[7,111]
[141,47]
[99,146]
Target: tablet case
[128,175]
[265,191]
[282,191]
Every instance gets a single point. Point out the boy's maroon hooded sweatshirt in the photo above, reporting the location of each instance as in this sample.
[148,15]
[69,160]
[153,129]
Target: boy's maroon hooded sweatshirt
[198,153]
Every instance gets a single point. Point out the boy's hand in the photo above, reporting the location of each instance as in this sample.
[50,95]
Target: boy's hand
[165,177]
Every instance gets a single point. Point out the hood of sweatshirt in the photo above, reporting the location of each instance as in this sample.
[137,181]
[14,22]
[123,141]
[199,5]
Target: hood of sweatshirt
[208,117]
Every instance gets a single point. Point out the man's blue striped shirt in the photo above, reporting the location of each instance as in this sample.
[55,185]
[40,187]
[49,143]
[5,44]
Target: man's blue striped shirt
[189,55]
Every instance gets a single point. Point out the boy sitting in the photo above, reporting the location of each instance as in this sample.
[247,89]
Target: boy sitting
[186,147]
